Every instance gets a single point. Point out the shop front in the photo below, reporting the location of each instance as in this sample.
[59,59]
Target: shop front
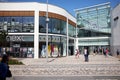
[56,46]
[19,46]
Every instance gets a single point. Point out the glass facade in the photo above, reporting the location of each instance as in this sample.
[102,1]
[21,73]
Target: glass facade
[94,21]
[23,45]
[94,24]
[56,44]
[71,31]
[55,26]
[17,24]
[26,29]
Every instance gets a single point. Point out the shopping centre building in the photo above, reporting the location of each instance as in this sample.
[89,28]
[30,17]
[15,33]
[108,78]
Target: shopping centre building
[94,27]
[25,23]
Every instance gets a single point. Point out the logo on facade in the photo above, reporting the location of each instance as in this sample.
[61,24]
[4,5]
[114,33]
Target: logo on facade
[16,38]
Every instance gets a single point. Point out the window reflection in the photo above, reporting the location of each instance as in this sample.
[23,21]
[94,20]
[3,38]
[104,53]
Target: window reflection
[28,24]
[42,26]
[94,21]
[55,26]
[71,30]
[17,24]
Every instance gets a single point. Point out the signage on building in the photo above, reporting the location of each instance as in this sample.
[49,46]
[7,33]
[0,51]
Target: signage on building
[50,38]
[16,45]
[16,38]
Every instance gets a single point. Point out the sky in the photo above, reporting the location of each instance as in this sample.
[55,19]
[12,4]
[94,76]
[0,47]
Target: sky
[71,5]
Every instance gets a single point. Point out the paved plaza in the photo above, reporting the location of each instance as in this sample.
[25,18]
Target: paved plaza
[66,67]
[93,59]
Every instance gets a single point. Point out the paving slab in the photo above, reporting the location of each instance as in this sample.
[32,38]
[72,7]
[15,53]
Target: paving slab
[98,65]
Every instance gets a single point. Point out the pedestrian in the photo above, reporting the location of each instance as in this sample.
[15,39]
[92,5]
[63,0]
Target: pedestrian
[100,51]
[77,53]
[94,52]
[4,68]
[86,54]
[106,52]
[117,52]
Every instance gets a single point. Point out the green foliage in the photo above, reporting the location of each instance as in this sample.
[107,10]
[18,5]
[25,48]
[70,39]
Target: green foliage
[3,35]
[14,62]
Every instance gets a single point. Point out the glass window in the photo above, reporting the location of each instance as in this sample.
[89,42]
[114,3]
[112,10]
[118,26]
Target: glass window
[1,23]
[71,30]
[56,46]
[54,26]
[28,24]
[17,24]
[63,27]
[42,25]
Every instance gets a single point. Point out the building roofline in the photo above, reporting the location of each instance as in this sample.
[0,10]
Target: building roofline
[115,6]
[42,3]
[91,6]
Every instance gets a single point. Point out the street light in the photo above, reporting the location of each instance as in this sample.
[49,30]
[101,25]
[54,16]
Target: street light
[47,20]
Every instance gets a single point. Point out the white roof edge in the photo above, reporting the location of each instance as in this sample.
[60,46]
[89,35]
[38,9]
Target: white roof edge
[91,6]
[67,14]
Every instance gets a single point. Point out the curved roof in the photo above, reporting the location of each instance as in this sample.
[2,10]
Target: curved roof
[32,6]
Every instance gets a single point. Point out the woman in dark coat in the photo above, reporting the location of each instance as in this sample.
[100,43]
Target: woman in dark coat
[4,67]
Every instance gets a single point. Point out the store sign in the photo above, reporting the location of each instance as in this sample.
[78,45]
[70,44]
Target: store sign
[16,45]
[16,38]
[53,38]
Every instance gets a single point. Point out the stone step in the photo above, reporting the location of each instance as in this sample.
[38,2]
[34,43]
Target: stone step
[97,65]
[66,70]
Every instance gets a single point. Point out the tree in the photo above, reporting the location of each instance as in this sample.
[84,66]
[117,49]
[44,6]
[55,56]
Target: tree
[3,35]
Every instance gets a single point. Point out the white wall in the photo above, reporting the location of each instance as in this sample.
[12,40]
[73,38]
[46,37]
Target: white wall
[115,24]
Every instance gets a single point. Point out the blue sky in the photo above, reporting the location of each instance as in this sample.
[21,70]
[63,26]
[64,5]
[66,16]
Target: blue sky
[70,5]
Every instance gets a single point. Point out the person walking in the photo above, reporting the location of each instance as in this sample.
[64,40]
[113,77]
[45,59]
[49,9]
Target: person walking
[77,53]
[4,68]
[117,52]
[106,51]
[86,54]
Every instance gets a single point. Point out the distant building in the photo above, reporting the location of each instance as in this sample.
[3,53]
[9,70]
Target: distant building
[93,27]
[115,25]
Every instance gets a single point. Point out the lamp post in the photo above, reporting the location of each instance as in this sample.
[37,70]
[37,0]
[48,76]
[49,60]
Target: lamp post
[47,20]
